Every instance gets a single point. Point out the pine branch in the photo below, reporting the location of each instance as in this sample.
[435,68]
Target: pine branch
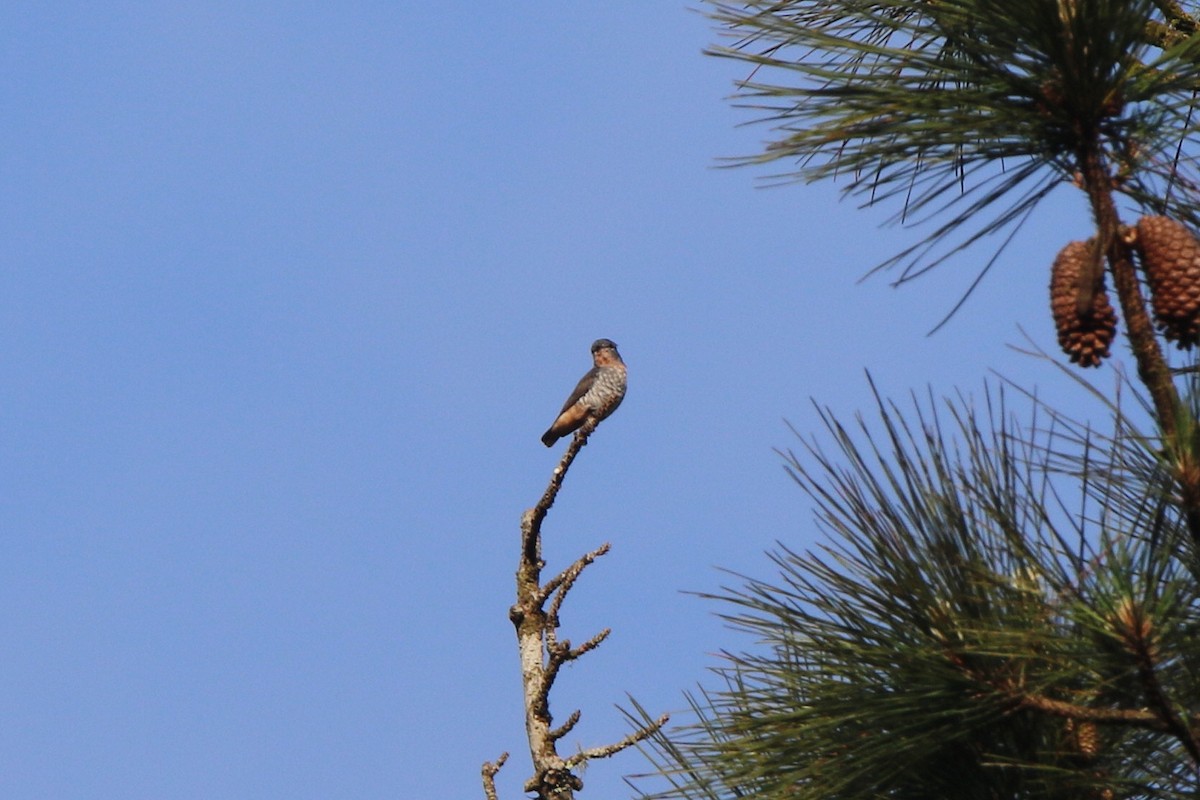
[950,618]
[1134,717]
[959,612]
[925,103]
[1152,366]
[1135,629]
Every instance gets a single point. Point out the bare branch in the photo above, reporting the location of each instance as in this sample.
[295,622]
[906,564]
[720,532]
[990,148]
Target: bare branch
[531,521]
[612,749]
[564,580]
[590,644]
[557,655]
[565,728]
[490,768]
[557,782]
[542,654]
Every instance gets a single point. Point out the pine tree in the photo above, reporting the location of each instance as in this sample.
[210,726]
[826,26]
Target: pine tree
[1001,607]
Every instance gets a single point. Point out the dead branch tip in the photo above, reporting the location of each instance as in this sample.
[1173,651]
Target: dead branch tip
[490,768]
[639,735]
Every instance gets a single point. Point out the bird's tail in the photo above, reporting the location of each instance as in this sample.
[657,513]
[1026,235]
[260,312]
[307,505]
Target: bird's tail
[549,438]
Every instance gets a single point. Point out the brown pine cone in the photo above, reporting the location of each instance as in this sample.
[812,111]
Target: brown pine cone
[1083,337]
[1170,256]
[1087,739]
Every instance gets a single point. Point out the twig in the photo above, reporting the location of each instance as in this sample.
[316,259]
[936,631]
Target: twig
[588,646]
[1132,717]
[1137,633]
[565,728]
[490,768]
[1162,719]
[1143,718]
[531,521]
[566,579]
[558,654]
[640,734]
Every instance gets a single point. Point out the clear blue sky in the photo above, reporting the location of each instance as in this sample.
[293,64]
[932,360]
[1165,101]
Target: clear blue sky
[290,292]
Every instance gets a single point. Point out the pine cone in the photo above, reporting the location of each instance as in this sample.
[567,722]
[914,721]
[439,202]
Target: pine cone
[1085,338]
[1087,739]
[1171,259]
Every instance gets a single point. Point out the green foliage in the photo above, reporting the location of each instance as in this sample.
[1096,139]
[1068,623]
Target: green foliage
[961,107]
[963,627]
[999,608]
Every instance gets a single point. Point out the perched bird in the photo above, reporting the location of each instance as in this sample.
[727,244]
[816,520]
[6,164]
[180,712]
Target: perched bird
[597,395]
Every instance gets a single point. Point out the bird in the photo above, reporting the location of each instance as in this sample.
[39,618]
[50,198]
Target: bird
[597,395]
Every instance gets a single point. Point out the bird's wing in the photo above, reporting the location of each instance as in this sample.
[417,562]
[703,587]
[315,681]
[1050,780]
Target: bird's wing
[581,388]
